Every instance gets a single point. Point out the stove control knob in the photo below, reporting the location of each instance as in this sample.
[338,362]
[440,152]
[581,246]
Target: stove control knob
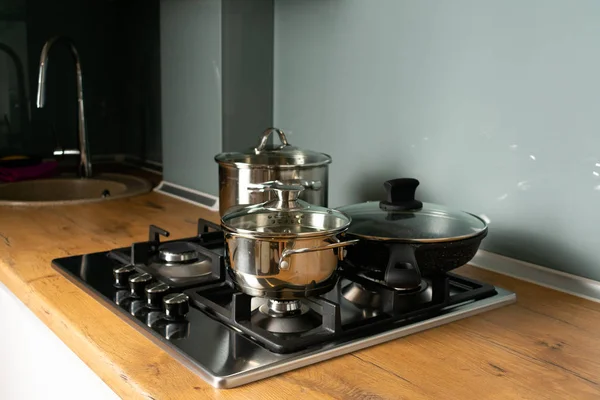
[122,275]
[138,282]
[176,305]
[155,293]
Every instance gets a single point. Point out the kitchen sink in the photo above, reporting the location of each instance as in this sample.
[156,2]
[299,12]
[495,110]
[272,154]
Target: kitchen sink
[69,189]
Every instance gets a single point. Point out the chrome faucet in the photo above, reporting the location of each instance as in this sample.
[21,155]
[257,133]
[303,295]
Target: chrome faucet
[85,166]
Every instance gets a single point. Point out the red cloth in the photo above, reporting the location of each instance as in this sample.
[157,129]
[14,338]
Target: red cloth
[16,174]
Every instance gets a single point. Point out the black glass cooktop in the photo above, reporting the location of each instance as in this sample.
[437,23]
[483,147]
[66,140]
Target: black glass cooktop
[189,306]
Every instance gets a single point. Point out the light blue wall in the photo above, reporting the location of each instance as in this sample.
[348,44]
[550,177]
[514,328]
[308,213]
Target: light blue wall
[217,84]
[190,43]
[493,105]
[247,59]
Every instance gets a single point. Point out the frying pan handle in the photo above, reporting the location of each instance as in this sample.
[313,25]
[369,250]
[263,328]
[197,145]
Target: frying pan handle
[402,270]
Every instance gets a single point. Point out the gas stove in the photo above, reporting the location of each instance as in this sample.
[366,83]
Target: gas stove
[179,294]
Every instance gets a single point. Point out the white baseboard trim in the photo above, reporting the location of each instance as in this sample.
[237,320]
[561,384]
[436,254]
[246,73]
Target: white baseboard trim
[131,160]
[568,283]
[188,195]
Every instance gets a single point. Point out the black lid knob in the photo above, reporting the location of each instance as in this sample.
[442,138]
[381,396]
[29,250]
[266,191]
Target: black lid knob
[138,282]
[155,292]
[176,305]
[122,274]
[401,195]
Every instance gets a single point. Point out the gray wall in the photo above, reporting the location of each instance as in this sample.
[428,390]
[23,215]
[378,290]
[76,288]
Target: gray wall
[190,42]
[492,105]
[247,50]
[217,84]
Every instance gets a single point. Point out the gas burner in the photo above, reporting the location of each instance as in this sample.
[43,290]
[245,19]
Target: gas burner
[286,317]
[376,277]
[371,297]
[362,297]
[282,308]
[177,263]
[177,252]
[422,286]
[182,271]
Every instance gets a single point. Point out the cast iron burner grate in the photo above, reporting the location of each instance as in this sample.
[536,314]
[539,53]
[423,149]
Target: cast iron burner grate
[208,244]
[339,317]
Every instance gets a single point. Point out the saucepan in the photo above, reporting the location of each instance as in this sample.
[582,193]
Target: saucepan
[283,162]
[284,248]
[402,238]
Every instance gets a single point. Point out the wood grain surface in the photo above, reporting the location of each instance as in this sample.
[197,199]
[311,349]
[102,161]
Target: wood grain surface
[546,346]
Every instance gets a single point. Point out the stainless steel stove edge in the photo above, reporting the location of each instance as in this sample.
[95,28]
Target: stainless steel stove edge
[141,328]
[503,298]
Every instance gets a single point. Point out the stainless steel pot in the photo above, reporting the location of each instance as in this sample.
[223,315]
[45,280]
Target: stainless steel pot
[284,248]
[284,163]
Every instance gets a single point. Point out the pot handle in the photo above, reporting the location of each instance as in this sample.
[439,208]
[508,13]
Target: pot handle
[269,185]
[265,137]
[275,186]
[283,264]
[314,185]
[402,270]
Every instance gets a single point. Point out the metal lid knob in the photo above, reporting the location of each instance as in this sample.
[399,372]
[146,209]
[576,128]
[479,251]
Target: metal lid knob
[176,305]
[122,275]
[155,293]
[138,282]
[287,194]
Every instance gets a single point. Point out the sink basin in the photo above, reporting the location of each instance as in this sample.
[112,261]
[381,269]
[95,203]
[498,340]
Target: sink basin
[72,190]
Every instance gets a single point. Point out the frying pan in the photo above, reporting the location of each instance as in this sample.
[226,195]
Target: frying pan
[403,239]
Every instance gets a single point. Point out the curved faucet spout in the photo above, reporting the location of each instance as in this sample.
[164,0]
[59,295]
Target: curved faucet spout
[85,165]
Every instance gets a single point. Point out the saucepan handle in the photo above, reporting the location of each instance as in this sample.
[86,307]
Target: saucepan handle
[286,184]
[283,264]
[314,185]
[275,186]
[265,137]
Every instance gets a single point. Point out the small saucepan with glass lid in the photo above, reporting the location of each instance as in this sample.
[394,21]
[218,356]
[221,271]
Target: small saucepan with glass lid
[284,248]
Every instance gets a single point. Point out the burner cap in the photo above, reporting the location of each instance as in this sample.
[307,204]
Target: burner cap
[177,252]
[281,317]
[283,308]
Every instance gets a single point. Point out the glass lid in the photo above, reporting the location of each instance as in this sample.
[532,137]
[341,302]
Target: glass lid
[285,216]
[282,156]
[403,218]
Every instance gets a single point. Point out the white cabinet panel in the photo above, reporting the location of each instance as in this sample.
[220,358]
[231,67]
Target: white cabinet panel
[36,364]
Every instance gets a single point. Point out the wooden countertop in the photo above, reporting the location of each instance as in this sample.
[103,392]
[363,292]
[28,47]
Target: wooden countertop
[547,345]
